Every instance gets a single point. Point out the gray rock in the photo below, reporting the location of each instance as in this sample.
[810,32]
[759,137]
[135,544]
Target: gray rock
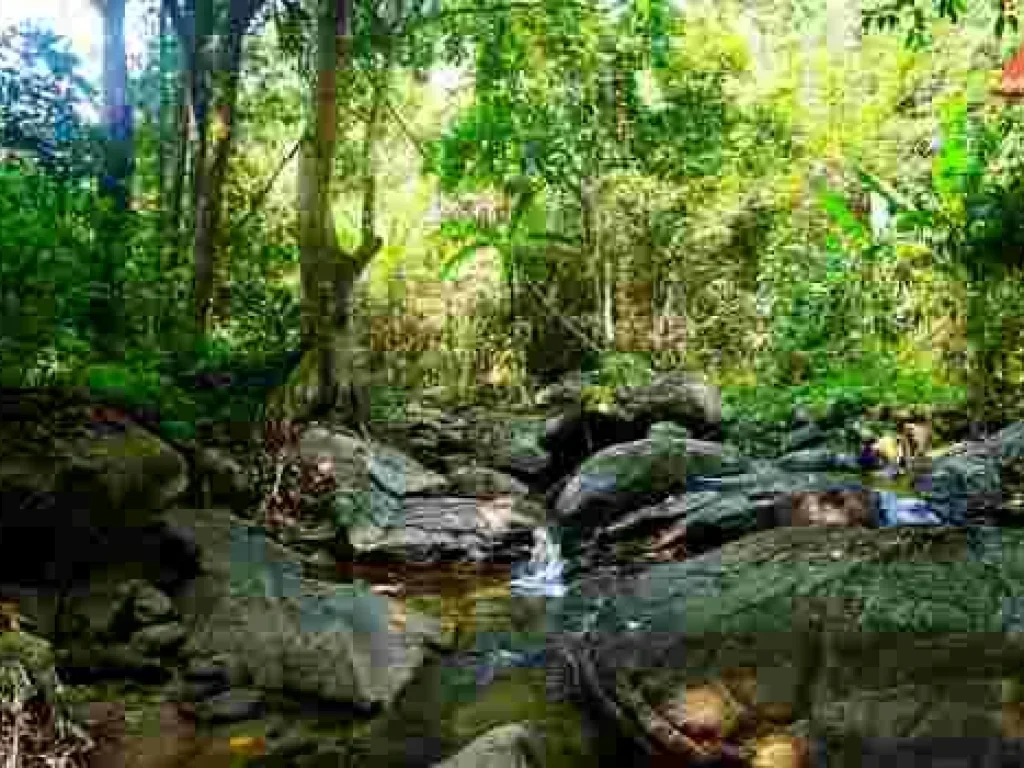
[252,608]
[622,478]
[679,397]
[706,459]
[159,639]
[357,464]
[508,746]
[449,529]
[69,501]
[810,460]
[202,679]
[116,660]
[292,746]
[865,632]
[474,480]
[805,437]
[802,416]
[705,520]
[206,670]
[148,604]
[964,487]
[229,483]
[232,706]
[668,429]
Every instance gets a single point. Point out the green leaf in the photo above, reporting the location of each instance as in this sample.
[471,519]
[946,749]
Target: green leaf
[835,206]
[877,185]
[451,268]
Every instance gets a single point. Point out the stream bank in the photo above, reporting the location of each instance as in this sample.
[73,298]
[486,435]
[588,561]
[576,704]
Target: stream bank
[417,646]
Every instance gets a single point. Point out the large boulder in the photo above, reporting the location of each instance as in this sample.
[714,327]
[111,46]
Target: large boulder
[225,480]
[850,634]
[700,521]
[621,478]
[392,506]
[676,396]
[707,459]
[965,484]
[484,482]
[252,608]
[509,442]
[75,477]
[357,463]
[693,522]
[96,458]
[576,433]
[817,460]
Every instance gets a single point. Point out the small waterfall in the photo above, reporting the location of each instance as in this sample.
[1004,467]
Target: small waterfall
[542,575]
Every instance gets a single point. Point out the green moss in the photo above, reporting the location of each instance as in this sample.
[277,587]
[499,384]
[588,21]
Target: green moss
[519,696]
[663,466]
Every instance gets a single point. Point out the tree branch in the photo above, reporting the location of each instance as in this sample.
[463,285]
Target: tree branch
[554,313]
[527,5]
[260,198]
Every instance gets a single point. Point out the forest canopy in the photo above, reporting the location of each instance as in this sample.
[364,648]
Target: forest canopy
[804,200]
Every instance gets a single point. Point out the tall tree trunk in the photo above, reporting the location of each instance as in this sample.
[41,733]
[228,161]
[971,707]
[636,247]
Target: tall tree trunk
[115,181]
[174,141]
[165,148]
[178,227]
[210,204]
[214,109]
[328,275]
[317,239]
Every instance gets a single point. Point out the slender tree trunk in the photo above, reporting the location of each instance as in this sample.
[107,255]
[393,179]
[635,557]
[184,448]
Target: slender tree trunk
[115,181]
[328,275]
[317,239]
[177,226]
[117,173]
[211,164]
[173,142]
[209,226]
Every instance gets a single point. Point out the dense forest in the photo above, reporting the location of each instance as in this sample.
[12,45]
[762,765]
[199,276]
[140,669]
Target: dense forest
[804,201]
[450,385]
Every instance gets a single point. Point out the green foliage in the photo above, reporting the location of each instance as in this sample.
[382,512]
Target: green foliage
[917,15]
[624,369]
[873,378]
[649,145]
[40,96]
[47,262]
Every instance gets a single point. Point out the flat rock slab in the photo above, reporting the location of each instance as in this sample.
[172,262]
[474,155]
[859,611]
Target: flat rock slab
[449,529]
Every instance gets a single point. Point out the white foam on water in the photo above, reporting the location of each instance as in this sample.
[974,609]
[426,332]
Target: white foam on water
[542,575]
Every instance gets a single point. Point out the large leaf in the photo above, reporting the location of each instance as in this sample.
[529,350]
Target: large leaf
[835,206]
[454,265]
[874,184]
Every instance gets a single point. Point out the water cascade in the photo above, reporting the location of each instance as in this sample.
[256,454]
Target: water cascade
[542,575]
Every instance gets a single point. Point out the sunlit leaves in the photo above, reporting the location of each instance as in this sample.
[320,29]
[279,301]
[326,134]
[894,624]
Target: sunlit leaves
[41,98]
[835,205]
